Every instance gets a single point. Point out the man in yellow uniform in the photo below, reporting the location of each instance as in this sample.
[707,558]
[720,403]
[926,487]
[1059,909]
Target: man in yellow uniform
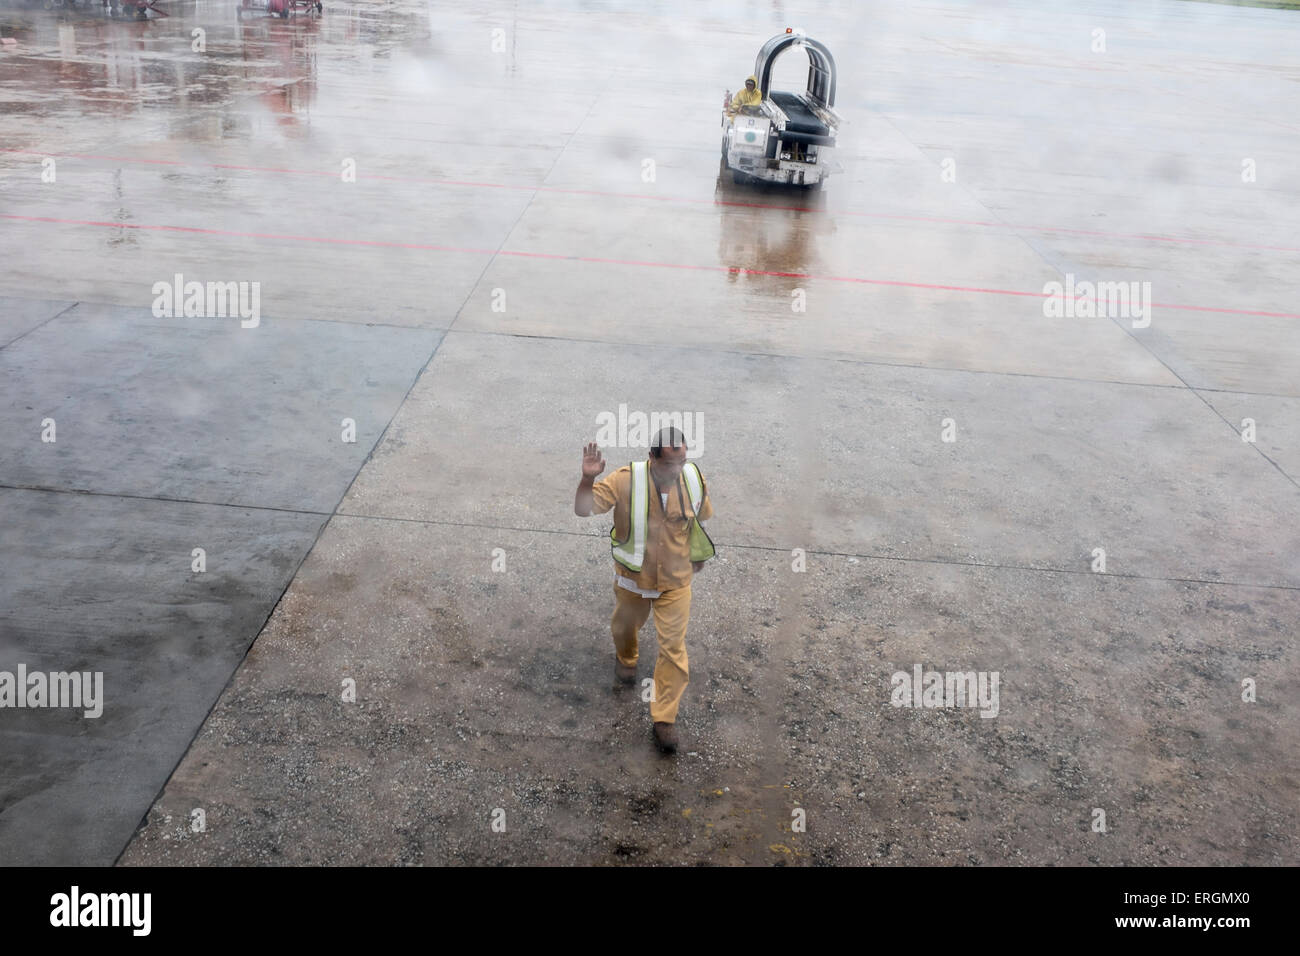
[657,545]
[749,96]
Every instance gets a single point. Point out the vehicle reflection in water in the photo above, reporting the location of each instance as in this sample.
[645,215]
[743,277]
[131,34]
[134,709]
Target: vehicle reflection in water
[767,232]
[78,60]
[291,47]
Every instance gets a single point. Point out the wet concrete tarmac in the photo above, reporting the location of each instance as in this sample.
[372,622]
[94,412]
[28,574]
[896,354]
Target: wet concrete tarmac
[459,247]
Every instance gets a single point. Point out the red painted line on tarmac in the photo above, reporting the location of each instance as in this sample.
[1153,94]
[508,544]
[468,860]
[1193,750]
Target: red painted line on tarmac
[610,194]
[253,235]
[596,260]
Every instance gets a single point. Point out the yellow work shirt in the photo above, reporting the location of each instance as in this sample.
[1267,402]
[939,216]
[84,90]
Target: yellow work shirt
[667,562]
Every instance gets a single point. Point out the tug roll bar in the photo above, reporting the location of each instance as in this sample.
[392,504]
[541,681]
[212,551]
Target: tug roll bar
[821,65]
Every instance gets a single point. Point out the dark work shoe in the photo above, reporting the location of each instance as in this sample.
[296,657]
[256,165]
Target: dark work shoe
[665,737]
[624,675]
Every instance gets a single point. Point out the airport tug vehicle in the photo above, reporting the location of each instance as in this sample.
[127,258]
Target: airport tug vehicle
[787,138]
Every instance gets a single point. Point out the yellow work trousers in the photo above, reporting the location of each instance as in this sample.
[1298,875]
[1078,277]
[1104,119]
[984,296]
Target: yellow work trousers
[672,613]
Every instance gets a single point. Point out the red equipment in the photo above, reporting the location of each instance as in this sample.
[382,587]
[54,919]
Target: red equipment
[281,8]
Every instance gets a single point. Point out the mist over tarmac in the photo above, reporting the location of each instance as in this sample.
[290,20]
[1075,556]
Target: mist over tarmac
[327,562]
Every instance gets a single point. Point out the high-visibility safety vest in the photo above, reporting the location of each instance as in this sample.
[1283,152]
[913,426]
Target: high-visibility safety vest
[631,552]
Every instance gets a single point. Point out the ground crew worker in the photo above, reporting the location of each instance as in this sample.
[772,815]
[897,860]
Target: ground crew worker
[749,96]
[658,545]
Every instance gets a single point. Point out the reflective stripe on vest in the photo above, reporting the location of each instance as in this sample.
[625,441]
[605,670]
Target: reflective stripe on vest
[694,485]
[631,553]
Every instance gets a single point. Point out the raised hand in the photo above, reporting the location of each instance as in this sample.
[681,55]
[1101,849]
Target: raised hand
[593,463]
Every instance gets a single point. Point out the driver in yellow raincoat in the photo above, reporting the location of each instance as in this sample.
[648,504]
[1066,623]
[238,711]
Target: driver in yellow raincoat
[749,96]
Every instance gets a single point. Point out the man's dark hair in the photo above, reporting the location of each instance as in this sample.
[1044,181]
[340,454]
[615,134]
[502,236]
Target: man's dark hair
[670,436]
